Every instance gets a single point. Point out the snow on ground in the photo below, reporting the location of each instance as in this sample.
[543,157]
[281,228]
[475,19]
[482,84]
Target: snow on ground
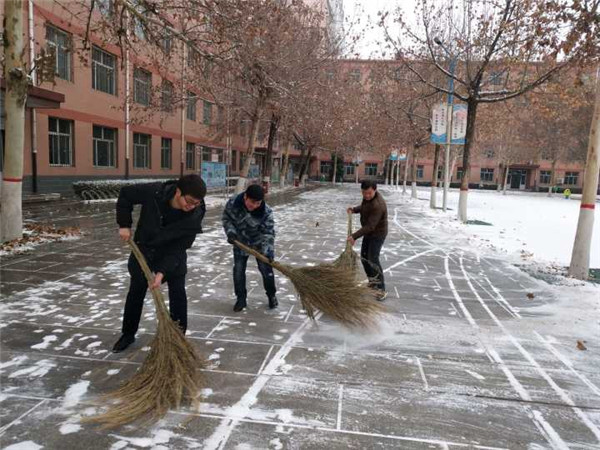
[522,223]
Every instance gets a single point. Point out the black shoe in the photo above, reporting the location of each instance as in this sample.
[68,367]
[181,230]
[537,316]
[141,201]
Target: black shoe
[273,303]
[239,305]
[124,341]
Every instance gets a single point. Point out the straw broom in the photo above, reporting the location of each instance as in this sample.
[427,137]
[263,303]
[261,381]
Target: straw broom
[169,374]
[331,290]
[348,259]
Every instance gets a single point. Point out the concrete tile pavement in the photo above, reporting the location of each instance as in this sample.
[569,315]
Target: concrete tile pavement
[462,361]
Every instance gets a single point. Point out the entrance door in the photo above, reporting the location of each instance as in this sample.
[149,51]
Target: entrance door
[517,178]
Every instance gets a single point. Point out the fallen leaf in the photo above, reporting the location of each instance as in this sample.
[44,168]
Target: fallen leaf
[530,295]
[580,345]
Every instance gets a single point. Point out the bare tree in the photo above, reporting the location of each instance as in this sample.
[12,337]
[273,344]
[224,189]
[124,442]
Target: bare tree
[501,50]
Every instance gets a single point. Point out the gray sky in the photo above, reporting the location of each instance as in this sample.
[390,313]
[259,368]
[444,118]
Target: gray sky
[366,12]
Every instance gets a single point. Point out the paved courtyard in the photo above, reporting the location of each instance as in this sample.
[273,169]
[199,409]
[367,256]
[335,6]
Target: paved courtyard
[465,359]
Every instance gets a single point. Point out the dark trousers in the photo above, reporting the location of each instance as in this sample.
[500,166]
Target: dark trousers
[369,253]
[137,292]
[240,261]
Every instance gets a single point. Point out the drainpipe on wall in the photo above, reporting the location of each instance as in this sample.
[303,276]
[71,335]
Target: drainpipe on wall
[34,186]
[183,106]
[127,110]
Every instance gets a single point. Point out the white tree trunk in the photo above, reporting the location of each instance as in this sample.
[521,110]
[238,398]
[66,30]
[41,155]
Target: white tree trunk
[413,193]
[505,179]
[405,177]
[243,178]
[285,167]
[580,258]
[335,157]
[462,206]
[15,75]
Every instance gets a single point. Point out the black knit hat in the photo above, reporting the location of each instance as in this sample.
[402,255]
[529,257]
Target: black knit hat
[255,192]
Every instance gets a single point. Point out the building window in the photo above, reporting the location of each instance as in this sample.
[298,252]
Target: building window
[459,173]
[571,178]
[370,169]
[105,7]
[190,156]
[234,161]
[349,169]
[420,170]
[60,133]
[192,56]
[166,42]
[59,45]
[105,146]
[103,71]
[545,176]
[487,175]
[166,96]
[496,78]
[489,153]
[207,113]
[330,75]
[141,151]
[326,167]
[190,111]
[206,154]
[166,150]
[142,84]
[355,75]
[219,153]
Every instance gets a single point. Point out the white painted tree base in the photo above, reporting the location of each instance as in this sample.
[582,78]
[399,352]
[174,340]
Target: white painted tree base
[462,206]
[11,217]
[580,258]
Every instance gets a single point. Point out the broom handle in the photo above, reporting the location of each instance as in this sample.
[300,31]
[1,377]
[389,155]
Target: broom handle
[156,294]
[349,224]
[253,252]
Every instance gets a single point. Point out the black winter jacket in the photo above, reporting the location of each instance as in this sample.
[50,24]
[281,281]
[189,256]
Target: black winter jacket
[164,245]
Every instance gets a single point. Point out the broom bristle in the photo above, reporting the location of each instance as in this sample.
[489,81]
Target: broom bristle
[335,292]
[169,375]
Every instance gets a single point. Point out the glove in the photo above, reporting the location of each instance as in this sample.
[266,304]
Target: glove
[270,255]
[231,237]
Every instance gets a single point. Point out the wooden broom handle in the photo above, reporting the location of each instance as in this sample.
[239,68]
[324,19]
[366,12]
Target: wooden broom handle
[142,261]
[349,224]
[253,252]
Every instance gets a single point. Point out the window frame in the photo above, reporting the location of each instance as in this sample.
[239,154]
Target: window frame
[58,134]
[112,144]
[148,150]
[146,84]
[56,47]
[105,67]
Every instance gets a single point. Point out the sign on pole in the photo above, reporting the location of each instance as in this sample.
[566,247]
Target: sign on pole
[439,119]
[459,124]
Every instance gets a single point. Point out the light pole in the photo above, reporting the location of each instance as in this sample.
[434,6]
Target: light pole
[448,123]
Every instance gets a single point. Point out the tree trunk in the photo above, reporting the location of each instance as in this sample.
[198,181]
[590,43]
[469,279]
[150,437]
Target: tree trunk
[580,258]
[434,177]
[506,171]
[405,177]
[387,169]
[285,167]
[15,75]
[269,156]
[552,177]
[413,174]
[335,158]
[304,167]
[243,178]
[464,184]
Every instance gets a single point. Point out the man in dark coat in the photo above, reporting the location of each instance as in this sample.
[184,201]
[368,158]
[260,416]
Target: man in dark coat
[374,228]
[170,219]
[248,219]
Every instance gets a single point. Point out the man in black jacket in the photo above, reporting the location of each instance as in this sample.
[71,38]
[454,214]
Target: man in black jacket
[170,219]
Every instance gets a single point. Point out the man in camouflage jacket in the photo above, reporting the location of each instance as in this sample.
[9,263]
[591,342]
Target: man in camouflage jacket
[248,219]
